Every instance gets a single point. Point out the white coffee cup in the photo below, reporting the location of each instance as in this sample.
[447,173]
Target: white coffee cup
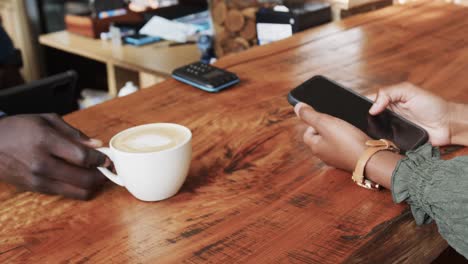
[151,175]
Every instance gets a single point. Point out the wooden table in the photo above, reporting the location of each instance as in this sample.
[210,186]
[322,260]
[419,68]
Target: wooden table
[345,8]
[255,194]
[145,65]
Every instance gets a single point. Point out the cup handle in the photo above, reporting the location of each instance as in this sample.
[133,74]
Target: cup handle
[111,176]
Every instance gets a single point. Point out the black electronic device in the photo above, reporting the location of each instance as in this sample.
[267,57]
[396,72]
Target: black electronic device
[106,5]
[55,94]
[331,98]
[205,77]
[273,25]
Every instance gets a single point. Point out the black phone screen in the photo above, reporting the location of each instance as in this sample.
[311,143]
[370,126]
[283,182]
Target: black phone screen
[330,98]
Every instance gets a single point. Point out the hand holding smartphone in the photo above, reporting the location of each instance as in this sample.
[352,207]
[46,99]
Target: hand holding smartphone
[333,99]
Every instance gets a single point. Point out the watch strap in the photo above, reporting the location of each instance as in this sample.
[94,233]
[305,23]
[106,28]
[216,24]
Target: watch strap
[374,146]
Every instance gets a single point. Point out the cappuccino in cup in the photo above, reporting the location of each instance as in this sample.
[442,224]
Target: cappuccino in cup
[149,139]
[152,161]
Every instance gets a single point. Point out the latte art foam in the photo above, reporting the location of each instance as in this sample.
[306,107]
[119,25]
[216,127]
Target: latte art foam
[149,139]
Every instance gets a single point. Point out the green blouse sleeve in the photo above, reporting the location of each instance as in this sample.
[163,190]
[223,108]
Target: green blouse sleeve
[436,190]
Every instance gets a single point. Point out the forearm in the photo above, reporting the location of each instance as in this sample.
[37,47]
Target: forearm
[436,191]
[434,188]
[459,124]
[380,167]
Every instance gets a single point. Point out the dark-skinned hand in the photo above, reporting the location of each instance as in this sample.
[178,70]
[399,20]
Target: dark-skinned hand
[334,141]
[42,153]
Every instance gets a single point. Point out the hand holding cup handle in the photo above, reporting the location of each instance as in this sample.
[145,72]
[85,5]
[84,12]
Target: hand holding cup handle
[109,174]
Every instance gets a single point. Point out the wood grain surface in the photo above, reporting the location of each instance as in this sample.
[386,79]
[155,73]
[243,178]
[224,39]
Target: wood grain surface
[254,193]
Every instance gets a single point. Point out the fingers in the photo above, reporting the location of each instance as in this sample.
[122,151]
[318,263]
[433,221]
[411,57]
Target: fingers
[56,169]
[372,96]
[312,118]
[399,93]
[381,103]
[309,116]
[50,186]
[311,131]
[322,124]
[312,139]
[73,152]
[57,122]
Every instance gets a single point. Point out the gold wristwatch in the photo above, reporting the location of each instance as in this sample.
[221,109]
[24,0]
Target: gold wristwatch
[374,146]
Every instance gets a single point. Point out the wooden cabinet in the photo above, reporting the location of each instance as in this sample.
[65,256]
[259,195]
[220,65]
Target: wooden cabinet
[15,21]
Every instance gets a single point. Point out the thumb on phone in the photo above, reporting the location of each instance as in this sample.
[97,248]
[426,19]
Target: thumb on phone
[379,105]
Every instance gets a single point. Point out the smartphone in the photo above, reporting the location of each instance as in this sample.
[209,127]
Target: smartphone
[331,98]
